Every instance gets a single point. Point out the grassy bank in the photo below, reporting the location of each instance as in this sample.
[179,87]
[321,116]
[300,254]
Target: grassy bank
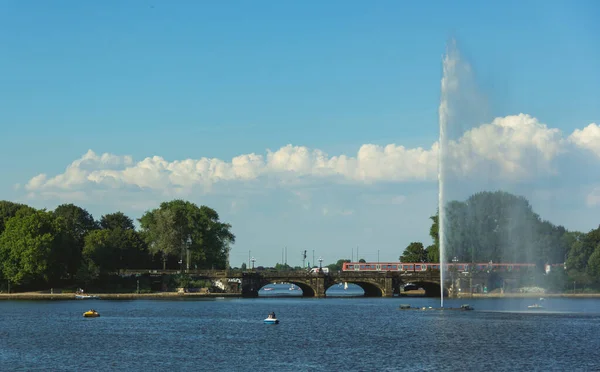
[112,296]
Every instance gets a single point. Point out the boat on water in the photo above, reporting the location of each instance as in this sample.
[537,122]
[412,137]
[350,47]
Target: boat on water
[268,288]
[535,307]
[86,297]
[271,319]
[91,314]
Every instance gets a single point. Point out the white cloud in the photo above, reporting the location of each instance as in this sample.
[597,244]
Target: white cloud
[514,148]
[587,138]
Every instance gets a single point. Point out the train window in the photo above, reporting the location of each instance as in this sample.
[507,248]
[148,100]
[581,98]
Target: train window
[394,267]
[351,266]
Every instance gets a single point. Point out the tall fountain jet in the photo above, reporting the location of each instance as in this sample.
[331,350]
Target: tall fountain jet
[442,150]
[461,107]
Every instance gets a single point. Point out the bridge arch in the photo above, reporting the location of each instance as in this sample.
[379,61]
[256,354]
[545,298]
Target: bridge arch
[307,289]
[432,289]
[370,289]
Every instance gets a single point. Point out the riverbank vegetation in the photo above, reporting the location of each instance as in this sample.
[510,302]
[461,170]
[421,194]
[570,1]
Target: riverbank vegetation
[501,227]
[67,247]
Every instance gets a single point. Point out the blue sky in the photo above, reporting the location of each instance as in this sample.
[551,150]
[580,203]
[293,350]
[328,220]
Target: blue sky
[192,80]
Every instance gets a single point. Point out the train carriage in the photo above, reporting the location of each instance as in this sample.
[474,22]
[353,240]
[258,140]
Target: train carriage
[434,266]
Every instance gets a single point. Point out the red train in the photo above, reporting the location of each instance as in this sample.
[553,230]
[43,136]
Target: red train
[423,266]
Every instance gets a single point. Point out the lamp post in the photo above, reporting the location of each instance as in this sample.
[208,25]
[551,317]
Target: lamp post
[454,261]
[253,262]
[320,264]
[378,256]
[188,245]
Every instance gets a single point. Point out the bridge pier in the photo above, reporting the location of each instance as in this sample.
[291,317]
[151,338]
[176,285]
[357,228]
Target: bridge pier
[251,283]
[320,285]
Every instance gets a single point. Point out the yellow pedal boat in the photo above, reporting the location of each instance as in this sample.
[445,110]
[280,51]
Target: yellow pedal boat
[91,314]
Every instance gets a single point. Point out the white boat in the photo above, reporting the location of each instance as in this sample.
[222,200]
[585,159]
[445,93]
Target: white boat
[535,307]
[268,289]
[271,321]
[86,297]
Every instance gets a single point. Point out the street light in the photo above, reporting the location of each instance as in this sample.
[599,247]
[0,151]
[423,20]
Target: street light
[253,262]
[454,261]
[188,245]
[320,264]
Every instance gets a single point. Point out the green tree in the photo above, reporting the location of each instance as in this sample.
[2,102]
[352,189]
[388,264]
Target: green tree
[593,265]
[338,265]
[178,225]
[117,220]
[98,255]
[9,209]
[160,231]
[415,252]
[500,227]
[31,248]
[128,248]
[76,224]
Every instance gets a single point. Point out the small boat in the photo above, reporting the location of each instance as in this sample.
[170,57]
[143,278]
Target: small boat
[268,289]
[271,321]
[535,307]
[86,297]
[91,314]
[466,307]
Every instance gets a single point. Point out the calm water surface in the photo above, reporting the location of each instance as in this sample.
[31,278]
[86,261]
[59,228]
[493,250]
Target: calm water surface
[350,334]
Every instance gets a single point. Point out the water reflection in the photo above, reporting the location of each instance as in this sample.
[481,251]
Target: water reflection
[291,290]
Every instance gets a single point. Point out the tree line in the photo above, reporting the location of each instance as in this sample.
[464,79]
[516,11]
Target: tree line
[501,227]
[67,246]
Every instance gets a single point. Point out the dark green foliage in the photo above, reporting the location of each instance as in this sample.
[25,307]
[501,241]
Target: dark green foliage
[68,247]
[415,252]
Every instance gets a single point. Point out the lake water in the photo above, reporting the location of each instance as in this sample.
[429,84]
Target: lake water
[349,334]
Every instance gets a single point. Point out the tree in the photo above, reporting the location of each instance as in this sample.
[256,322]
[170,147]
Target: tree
[217,238]
[593,265]
[9,209]
[414,253]
[98,256]
[161,233]
[77,223]
[116,220]
[433,251]
[338,265]
[126,244]
[178,226]
[500,227]
[30,248]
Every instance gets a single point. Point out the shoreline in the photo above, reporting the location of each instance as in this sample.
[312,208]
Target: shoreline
[113,296]
[176,295]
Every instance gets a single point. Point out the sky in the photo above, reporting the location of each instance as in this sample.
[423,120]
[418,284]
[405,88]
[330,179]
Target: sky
[307,125]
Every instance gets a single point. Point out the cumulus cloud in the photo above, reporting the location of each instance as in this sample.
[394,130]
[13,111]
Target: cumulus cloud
[514,147]
[587,138]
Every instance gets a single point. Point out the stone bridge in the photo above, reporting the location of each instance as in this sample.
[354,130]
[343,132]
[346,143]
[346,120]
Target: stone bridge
[374,284]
